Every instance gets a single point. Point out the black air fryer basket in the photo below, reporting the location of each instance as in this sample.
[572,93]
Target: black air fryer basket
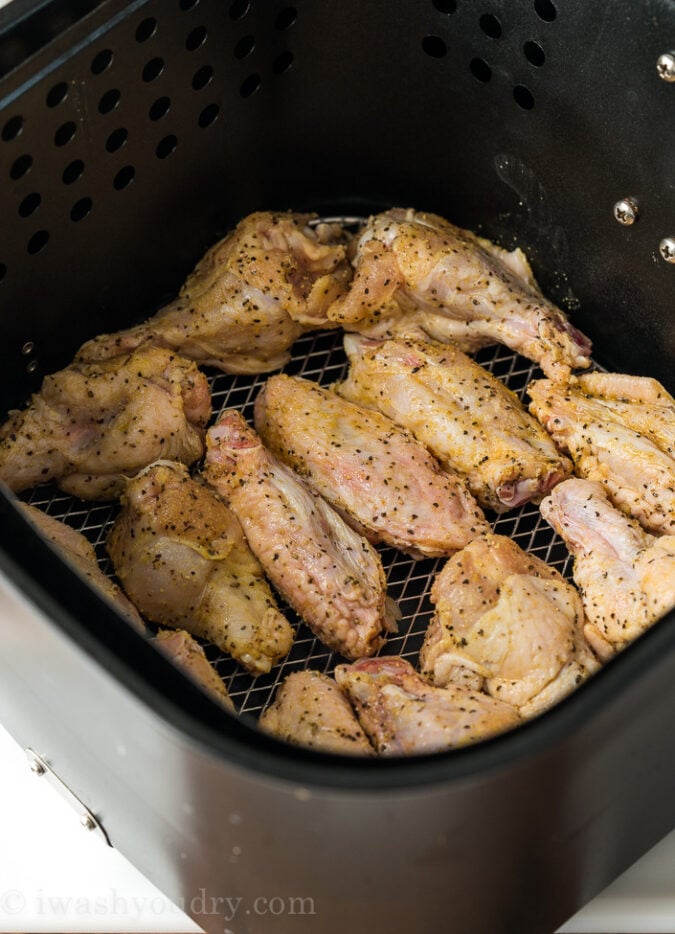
[132,136]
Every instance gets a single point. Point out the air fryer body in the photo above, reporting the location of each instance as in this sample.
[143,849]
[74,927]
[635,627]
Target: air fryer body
[128,144]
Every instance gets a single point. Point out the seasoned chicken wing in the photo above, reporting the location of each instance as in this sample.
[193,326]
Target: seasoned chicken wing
[626,576]
[190,657]
[417,275]
[328,573]
[402,714]
[384,482]
[182,558]
[249,298]
[620,431]
[465,416]
[309,709]
[93,424]
[507,623]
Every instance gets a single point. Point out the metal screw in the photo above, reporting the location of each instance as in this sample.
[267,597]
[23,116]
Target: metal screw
[37,768]
[665,66]
[667,249]
[626,211]
[87,822]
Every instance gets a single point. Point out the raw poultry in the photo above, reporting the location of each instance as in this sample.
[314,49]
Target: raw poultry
[620,431]
[92,425]
[249,298]
[375,474]
[328,573]
[507,623]
[417,275]
[626,576]
[188,655]
[182,559]
[469,420]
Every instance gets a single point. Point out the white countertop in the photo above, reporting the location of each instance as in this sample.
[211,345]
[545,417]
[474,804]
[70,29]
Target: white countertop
[55,876]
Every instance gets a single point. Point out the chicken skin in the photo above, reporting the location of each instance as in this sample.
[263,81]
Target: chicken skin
[402,714]
[619,431]
[309,709]
[328,573]
[94,424]
[507,623]
[79,552]
[376,475]
[183,560]
[417,275]
[626,576]
[465,416]
[249,298]
[190,657]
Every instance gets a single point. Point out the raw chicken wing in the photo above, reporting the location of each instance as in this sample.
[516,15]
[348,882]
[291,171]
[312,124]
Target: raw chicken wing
[402,714]
[182,558]
[507,623]
[465,416]
[626,576]
[190,657]
[94,424]
[620,431]
[309,709]
[376,475]
[417,275]
[249,298]
[328,573]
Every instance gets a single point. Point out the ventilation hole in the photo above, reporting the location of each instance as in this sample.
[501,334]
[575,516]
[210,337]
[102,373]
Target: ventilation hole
[160,108]
[286,18]
[12,128]
[534,53]
[101,61]
[30,204]
[208,115]
[57,95]
[523,97]
[65,133]
[239,9]
[124,177]
[249,85]
[545,10]
[72,171]
[434,46]
[3,271]
[37,242]
[282,63]
[21,166]
[153,69]
[80,209]
[196,38]
[201,78]
[109,101]
[490,25]
[244,47]
[480,69]
[166,146]
[146,29]
[117,139]
[446,6]
[186,5]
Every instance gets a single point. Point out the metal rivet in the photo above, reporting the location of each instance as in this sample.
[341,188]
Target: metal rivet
[665,66]
[87,822]
[28,348]
[626,211]
[667,249]
[32,366]
[37,768]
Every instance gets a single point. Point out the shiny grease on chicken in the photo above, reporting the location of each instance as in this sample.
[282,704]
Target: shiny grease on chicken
[620,431]
[417,275]
[182,558]
[92,425]
[376,475]
[329,574]
[469,420]
[309,709]
[249,298]
[507,623]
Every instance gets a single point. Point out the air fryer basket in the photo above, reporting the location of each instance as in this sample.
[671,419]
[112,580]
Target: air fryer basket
[129,142]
